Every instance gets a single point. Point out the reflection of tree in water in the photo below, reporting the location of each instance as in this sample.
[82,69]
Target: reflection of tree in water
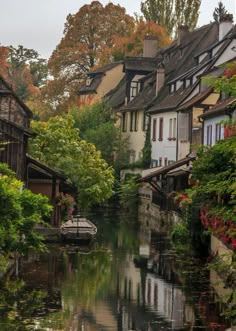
[118,234]
[195,278]
[21,305]
[87,276]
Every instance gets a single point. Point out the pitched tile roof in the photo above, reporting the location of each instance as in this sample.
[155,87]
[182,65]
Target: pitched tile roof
[181,62]
[116,97]
[146,64]
[196,99]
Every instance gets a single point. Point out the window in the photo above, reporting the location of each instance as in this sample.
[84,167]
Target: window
[154,163]
[136,121]
[160,161]
[155,295]
[183,127]
[209,135]
[124,122]
[134,89]
[154,127]
[218,132]
[133,121]
[166,161]
[161,122]
[174,128]
[172,87]
[88,81]
[170,128]
[132,156]
[145,121]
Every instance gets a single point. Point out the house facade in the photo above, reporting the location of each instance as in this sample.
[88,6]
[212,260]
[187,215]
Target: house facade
[14,130]
[169,127]
[214,127]
[99,82]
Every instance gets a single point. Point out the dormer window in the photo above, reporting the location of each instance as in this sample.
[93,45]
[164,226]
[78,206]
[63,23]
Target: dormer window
[88,81]
[135,88]
[187,83]
[172,88]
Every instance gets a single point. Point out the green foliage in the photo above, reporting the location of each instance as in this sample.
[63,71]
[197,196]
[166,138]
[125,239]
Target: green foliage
[58,144]
[170,14]
[219,12]
[128,193]
[91,117]
[96,124]
[20,211]
[225,266]
[147,149]
[215,174]
[21,56]
[227,82]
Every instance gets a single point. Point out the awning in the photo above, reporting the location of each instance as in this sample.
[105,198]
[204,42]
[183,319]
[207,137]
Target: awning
[165,170]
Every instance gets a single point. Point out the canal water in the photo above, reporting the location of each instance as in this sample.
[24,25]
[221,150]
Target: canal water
[130,278]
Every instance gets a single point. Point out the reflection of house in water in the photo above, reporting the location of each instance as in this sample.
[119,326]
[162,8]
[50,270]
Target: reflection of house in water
[150,290]
[166,299]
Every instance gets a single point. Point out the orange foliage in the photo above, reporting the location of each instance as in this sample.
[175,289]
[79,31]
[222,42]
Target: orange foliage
[133,44]
[4,66]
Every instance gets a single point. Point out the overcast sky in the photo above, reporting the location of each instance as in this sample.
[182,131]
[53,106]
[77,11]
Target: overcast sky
[39,24]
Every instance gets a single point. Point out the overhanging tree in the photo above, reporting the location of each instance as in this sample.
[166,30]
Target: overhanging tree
[59,145]
[21,210]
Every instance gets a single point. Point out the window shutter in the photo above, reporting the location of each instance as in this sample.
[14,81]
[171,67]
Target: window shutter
[161,121]
[183,126]
[154,126]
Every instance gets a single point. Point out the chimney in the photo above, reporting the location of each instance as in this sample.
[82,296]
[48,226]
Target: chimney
[226,24]
[149,46]
[182,33]
[160,78]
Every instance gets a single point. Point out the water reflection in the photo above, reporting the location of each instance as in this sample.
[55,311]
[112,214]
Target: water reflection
[130,279]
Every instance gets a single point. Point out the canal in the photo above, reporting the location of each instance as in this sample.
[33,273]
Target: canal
[129,279]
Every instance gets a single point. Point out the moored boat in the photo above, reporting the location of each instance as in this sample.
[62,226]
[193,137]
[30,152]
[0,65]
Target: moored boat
[78,229]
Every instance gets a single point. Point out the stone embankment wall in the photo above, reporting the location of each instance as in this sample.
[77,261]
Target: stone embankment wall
[158,220]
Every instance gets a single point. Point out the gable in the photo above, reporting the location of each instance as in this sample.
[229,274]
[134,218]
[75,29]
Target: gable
[12,108]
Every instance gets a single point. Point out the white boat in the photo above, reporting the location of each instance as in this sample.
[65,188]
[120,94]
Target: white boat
[78,228]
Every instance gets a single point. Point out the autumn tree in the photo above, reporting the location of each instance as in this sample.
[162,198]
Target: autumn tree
[171,13]
[133,45]
[86,34]
[24,70]
[4,65]
[28,71]
[219,12]
[20,57]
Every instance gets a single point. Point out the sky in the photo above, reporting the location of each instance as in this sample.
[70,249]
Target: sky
[39,24]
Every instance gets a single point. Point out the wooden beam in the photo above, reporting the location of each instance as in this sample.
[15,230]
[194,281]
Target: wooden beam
[157,187]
